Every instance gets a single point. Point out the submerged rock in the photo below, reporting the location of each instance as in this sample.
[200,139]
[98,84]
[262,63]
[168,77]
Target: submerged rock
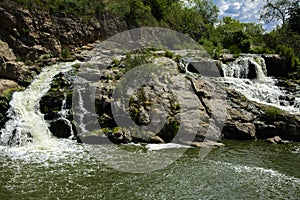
[276,140]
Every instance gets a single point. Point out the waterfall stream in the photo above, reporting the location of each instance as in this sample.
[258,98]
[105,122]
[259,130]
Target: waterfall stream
[26,120]
[247,75]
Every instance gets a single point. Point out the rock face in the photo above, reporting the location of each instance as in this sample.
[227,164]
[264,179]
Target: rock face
[56,106]
[32,33]
[246,120]
[36,35]
[192,110]
[181,108]
[6,89]
[276,65]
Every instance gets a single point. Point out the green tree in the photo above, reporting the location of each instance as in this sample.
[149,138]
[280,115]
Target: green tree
[158,7]
[238,36]
[274,10]
[183,19]
[208,10]
[294,20]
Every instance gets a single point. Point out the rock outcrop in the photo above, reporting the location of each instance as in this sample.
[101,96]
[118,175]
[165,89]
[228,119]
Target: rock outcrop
[180,107]
[276,65]
[33,33]
[31,38]
[208,107]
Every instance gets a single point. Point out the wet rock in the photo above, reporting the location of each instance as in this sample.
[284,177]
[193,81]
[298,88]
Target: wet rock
[239,131]
[227,58]
[156,139]
[120,136]
[60,128]
[276,65]
[206,67]
[276,140]
[264,131]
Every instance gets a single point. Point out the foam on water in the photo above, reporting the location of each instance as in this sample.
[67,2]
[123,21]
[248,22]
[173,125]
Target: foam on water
[259,172]
[156,147]
[63,150]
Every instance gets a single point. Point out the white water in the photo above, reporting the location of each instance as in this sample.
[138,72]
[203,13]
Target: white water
[26,121]
[261,89]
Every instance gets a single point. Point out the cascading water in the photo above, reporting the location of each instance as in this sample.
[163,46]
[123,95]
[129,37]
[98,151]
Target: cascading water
[26,121]
[247,75]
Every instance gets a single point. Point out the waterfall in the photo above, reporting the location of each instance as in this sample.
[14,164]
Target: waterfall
[247,75]
[26,120]
[246,68]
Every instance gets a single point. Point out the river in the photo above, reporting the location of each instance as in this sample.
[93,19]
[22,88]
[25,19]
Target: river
[241,170]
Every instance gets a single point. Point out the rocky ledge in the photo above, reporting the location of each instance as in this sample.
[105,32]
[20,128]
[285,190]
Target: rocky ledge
[181,107]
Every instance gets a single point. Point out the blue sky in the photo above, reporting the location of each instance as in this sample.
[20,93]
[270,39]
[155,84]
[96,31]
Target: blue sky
[243,10]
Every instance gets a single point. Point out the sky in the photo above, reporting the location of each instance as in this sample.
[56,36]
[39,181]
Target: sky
[243,10]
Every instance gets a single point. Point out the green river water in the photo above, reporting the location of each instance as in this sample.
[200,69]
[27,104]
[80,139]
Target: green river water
[241,170]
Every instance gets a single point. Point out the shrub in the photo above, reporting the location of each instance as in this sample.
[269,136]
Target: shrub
[272,114]
[134,60]
[65,53]
[169,54]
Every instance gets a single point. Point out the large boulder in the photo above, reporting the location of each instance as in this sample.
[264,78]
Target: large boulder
[239,131]
[56,106]
[276,65]
[206,67]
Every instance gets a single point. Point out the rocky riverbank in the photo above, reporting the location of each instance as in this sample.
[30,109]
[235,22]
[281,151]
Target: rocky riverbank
[200,109]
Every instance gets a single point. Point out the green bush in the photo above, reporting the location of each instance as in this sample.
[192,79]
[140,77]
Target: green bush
[134,60]
[169,54]
[272,114]
[65,53]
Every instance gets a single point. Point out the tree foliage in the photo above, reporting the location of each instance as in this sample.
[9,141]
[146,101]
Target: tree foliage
[294,20]
[274,10]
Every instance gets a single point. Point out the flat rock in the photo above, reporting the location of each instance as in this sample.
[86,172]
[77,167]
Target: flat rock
[276,140]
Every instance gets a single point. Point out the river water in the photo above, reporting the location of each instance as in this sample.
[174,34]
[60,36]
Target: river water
[241,170]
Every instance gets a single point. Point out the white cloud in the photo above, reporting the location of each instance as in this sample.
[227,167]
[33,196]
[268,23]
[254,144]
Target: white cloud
[245,11]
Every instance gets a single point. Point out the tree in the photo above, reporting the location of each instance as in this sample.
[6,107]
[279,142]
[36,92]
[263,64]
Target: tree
[208,10]
[294,20]
[183,19]
[158,7]
[274,10]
